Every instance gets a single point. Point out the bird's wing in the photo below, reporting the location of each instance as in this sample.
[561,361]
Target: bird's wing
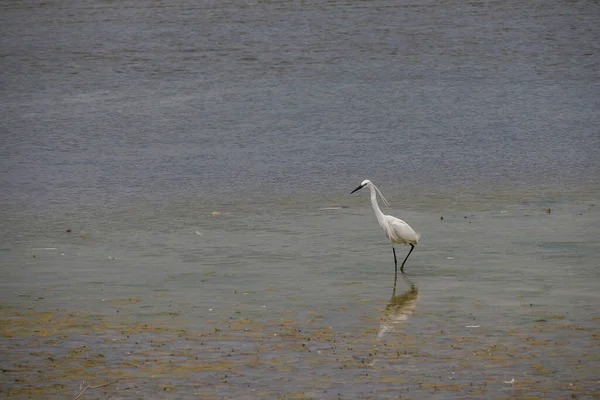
[400,232]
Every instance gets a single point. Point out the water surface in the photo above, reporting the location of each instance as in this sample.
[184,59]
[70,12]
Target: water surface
[176,217]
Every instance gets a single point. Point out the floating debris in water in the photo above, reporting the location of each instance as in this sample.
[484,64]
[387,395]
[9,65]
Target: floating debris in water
[215,213]
[198,233]
[473,326]
[511,381]
[548,210]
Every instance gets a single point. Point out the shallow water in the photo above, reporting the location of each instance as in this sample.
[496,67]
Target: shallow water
[297,303]
[201,156]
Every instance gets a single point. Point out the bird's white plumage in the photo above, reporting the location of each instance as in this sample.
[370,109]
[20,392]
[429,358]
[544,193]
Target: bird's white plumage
[399,231]
[396,230]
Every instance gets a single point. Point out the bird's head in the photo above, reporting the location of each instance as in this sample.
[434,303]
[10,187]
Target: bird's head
[364,183]
[369,184]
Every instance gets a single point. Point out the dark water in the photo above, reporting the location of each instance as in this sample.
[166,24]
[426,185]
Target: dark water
[201,154]
[114,99]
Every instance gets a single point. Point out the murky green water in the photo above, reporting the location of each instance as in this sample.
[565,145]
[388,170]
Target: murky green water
[298,303]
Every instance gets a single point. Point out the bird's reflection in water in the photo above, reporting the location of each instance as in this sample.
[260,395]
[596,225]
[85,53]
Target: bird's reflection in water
[399,308]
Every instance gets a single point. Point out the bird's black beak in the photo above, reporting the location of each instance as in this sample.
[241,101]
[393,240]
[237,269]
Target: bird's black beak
[358,188]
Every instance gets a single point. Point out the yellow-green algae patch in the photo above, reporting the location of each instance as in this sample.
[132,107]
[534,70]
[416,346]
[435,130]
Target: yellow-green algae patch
[49,353]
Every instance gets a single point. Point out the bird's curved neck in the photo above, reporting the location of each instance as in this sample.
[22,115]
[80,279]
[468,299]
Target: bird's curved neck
[376,208]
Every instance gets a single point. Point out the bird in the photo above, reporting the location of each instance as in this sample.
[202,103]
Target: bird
[396,230]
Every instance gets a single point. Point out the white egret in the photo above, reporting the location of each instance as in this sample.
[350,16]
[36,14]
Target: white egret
[396,230]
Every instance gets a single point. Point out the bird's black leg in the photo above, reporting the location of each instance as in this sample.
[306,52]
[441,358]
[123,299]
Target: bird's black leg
[412,247]
[395,270]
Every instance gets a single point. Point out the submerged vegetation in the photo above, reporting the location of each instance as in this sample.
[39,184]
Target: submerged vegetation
[62,353]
